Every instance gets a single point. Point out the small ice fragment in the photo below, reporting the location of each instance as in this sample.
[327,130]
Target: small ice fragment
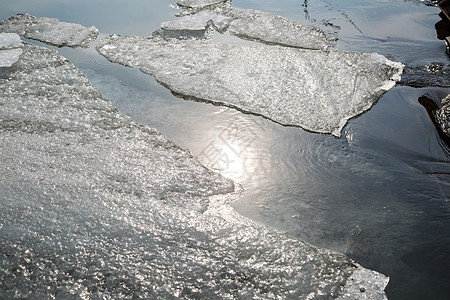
[9,41]
[442,116]
[9,57]
[50,30]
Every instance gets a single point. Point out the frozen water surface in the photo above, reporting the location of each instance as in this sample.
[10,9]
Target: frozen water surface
[96,205]
[316,90]
[9,51]
[50,30]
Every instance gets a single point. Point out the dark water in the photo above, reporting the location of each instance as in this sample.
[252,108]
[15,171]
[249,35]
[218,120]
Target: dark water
[379,194]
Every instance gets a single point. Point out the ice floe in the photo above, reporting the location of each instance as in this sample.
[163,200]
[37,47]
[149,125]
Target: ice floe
[97,206]
[9,49]
[254,25]
[198,21]
[316,90]
[200,3]
[50,30]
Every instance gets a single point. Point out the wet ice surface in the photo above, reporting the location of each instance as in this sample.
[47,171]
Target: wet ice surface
[316,90]
[198,21]
[9,49]
[50,30]
[254,25]
[200,3]
[443,116]
[96,205]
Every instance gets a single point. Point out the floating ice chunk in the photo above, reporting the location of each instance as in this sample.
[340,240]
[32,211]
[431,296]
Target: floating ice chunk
[197,21]
[9,41]
[316,90]
[50,31]
[200,3]
[253,25]
[97,206]
[9,57]
[442,116]
[265,27]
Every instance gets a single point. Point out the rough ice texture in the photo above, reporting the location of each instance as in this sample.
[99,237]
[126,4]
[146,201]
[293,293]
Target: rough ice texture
[9,49]
[265,27]
[316,90]
[96,206]
[9,41]
[253,25]
[9,57]
[442,116]
[198,21]
[50,30]
[199,3]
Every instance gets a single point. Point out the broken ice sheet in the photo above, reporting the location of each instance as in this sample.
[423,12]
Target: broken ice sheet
[318,91]
[50,30]
[198,21]
[253,25]
[199,3]
[9,49]
[97,206]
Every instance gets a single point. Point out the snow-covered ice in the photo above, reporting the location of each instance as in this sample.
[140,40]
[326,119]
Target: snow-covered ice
[316,90]
[95,205]
[9,49]
[50,30]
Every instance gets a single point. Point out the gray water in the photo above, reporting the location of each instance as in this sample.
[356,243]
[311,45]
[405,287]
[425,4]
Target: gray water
[378,194]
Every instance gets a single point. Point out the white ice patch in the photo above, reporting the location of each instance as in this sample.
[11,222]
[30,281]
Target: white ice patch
[9,57]
[199,3]
[50,30]
[9,51]
[197,21]
[97,206]
[318,91]
[9,41]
